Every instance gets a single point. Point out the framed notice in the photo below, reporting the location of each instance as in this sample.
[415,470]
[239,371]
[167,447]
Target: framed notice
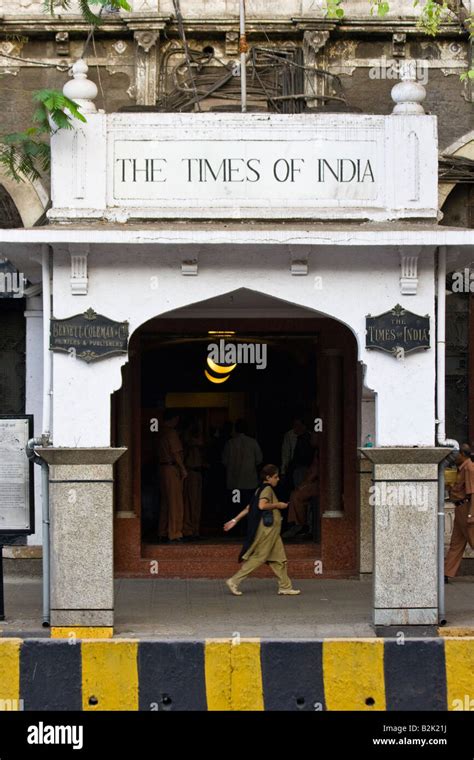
[16,475]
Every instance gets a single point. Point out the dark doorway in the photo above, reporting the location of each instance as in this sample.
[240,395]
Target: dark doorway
[173,376]
[166,369]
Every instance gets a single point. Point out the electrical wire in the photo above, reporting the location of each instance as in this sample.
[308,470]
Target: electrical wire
[59,66]
[98,72]
[177,10]
[276,79]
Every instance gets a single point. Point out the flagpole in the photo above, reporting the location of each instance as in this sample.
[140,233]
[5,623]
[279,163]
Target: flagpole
[243,48]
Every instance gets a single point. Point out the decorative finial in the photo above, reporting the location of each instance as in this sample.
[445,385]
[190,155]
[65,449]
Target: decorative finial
[408,94]
[80,88]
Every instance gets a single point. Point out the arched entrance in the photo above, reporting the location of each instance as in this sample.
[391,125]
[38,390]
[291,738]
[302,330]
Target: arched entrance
[309,369]
[462,148]
[29,199]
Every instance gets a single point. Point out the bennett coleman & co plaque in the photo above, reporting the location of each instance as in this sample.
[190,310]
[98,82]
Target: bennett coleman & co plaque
[397,330]
[89,336]
[16,476]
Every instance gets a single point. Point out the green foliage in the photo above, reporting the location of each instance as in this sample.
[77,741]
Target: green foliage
[55,6]
[26,154]
[433,13]
[23,156]
[380,7]
[52,107]
[334,9]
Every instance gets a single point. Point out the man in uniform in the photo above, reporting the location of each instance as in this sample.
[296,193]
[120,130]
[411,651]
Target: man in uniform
[172,475]
[193,461]
[462,494]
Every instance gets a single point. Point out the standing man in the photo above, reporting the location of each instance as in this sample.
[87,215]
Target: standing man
[193,460]
[288,447]
[172,475]
[302,453]
[462,494]
[241,457]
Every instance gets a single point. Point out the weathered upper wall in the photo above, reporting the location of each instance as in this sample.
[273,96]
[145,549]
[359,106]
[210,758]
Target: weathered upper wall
[366,70]
[230,8]
[127,58]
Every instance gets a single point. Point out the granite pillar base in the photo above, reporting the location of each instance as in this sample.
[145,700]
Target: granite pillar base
[404,499]
[81,536]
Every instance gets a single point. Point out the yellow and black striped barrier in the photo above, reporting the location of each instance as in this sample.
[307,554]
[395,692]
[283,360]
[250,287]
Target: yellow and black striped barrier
[237,674]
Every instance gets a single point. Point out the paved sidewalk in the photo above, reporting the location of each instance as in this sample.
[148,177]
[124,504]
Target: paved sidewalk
[200,609]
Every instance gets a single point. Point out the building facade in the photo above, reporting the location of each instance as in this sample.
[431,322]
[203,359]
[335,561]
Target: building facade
[314,224]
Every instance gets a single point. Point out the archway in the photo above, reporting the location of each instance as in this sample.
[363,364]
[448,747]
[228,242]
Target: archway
[310,371]
[30,198]
[462,148]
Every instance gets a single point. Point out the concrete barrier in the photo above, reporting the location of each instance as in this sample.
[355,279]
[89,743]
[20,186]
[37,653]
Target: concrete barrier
[434,674]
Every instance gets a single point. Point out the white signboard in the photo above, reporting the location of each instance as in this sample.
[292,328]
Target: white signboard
[15,473]
[186,166]
[267,172]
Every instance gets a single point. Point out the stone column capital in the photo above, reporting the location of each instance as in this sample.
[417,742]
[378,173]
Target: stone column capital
[405,455]
[146,39]
[316,39]
[80,456]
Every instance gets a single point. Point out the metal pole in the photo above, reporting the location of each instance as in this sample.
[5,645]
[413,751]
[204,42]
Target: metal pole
[46,431]
[243,48]
[46,545]
[441,518]
[2,603]
[47,368]
[31,454]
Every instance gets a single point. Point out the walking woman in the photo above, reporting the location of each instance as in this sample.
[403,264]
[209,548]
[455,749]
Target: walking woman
[263,542]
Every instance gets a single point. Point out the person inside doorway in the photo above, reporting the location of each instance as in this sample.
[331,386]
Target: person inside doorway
[241,458]
[193,440]
[263,542]
[172,474]
[216,480]
[300,499]
[288,446]
[302,454]
[462,495]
